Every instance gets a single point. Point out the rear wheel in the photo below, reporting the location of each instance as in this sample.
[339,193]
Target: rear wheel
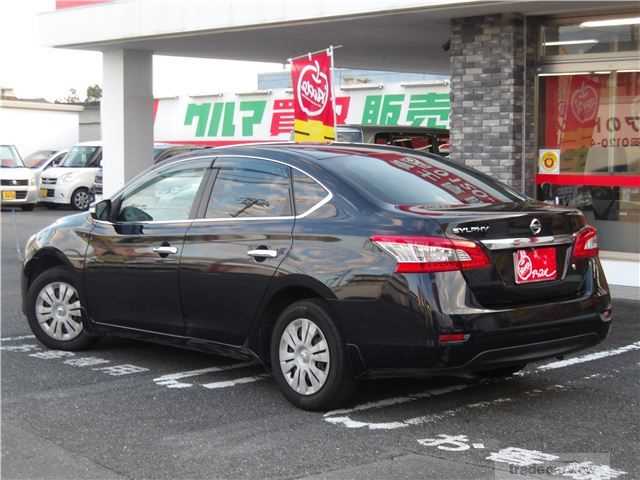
[308,358]
[54,311]
[80,200]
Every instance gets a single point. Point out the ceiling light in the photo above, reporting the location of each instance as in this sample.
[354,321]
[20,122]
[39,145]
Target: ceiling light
[613,22]
[570,42]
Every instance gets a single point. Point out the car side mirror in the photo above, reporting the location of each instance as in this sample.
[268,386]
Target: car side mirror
[101,210]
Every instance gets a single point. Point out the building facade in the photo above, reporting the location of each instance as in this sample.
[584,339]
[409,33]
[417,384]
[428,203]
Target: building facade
[38,125]
[551,105]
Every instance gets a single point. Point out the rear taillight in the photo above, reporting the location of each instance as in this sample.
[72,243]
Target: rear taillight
[432,254]
[585,244]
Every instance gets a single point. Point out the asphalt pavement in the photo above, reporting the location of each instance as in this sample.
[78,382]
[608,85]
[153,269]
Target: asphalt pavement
[129,409]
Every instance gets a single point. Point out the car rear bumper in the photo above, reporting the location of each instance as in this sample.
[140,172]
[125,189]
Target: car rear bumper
[406,342]
[493,359]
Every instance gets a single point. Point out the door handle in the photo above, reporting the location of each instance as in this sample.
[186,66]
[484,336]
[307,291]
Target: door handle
[165,250]
[263,253]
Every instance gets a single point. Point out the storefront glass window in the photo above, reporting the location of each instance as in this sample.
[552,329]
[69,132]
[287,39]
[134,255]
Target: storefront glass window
[591,125]
[618,34]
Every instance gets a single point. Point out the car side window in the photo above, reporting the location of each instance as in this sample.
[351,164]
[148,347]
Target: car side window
[306,192]
[250,188]
[167,196]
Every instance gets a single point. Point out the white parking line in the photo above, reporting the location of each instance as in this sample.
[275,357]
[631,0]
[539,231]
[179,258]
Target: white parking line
[348,422]
[589,357]
[341,417]
[171,380]
[21,337]
[388,402]
[235,381]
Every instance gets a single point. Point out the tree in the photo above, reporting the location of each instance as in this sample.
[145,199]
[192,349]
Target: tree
[94,93]
[72,97]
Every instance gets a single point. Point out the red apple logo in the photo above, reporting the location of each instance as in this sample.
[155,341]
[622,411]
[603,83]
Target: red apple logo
[313,90]
[584,103]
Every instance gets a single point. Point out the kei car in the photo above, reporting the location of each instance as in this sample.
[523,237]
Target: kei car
[69,183]
[42,160]
[326,263]
[18,184]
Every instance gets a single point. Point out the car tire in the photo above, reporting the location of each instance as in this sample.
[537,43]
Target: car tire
[81,199]
[27,208]
[310,376]
[55,313]
[502,372]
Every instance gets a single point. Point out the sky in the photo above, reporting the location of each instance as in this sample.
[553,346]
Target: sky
[35,71]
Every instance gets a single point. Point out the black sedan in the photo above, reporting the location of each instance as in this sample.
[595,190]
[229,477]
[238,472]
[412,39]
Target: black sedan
[327,263]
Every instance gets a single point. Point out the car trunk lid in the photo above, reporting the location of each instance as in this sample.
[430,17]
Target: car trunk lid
[517,238]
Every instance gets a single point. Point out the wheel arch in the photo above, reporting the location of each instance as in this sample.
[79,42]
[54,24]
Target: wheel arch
[275,301]
[45,259]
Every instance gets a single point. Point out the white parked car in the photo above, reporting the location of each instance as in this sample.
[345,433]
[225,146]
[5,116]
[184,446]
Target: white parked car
[69,183]
[41,160]
[17,183]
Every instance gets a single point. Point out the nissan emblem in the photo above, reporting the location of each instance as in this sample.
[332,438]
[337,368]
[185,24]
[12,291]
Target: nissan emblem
[535,226]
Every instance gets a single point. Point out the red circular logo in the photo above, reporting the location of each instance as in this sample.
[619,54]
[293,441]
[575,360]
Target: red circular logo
[313,90]
[584,103]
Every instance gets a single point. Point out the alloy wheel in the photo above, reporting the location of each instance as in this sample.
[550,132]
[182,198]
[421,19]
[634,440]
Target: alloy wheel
[304,356]
[58,311]
[81,200]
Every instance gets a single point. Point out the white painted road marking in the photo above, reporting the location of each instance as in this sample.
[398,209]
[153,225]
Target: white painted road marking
[588,471]
[23,348]
[387,402]
[119,370]
[340,417]
[521,457]
[348,422]
[589,357]
[450,443]
[86,361]
[21,337]
[52,354]
[171,380]
[235,381]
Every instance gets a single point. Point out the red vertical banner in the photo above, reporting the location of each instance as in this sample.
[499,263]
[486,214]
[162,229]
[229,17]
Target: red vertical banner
[581,105]
[313,97]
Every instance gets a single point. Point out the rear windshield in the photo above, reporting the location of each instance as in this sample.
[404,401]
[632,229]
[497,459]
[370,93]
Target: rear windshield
[79,157]
[9,157]
[400,179]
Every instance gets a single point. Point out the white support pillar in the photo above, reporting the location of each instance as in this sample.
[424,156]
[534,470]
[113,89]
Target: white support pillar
[127,116]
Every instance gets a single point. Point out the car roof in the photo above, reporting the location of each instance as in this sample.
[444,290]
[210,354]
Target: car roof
[304,154]
[317,151]
[399,128]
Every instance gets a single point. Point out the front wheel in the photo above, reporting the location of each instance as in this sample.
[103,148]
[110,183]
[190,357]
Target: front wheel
[55,313]
[80,200]
[308,358]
